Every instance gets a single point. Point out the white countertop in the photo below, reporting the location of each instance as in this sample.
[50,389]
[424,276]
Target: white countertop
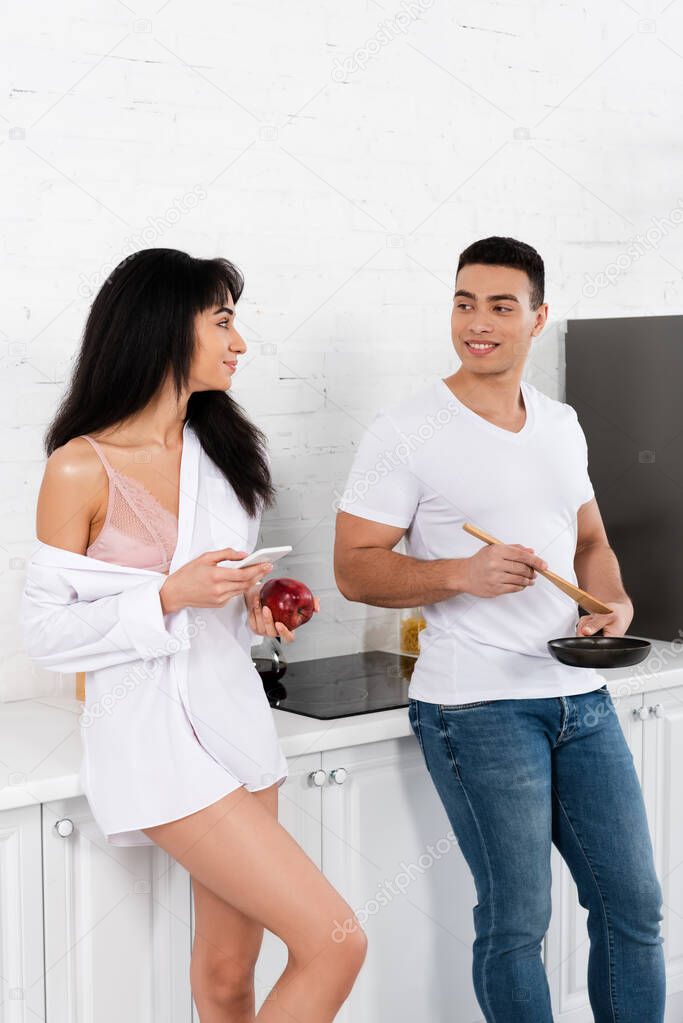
[40,744]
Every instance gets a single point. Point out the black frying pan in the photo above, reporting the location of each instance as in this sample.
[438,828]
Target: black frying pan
[599,651]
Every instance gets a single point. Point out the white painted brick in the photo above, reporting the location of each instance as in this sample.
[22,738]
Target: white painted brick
[288,505]
[287,397]
[344,203]
[305,538]
[315,570]
[313,467]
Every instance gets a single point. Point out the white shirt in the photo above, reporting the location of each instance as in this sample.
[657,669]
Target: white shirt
[175,712]
[428,464]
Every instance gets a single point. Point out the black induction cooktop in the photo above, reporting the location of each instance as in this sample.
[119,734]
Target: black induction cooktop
[337,687]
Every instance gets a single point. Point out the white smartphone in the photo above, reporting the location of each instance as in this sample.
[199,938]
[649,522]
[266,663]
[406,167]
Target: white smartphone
[272,554]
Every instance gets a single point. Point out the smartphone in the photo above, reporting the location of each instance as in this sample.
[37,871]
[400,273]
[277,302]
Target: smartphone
[272,554]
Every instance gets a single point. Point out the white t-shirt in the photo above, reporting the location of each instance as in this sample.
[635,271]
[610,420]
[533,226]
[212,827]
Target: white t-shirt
[429,464]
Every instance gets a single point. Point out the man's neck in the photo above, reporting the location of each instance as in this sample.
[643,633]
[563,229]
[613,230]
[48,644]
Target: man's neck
[495,397]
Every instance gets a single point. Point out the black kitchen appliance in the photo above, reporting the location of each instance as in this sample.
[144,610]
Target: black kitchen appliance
[599,651]
[624,377]
[336,687]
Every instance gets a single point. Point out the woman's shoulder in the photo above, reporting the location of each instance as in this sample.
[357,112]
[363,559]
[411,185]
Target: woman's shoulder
[70,496]
[75,462]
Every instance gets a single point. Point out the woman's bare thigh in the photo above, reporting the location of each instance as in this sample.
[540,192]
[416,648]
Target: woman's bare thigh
[238,850]
[223,935]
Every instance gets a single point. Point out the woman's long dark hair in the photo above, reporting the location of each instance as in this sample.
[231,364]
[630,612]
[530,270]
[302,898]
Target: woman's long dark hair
[140,326]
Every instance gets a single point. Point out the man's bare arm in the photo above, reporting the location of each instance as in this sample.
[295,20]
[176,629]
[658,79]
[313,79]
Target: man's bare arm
[595,563]
[368,570]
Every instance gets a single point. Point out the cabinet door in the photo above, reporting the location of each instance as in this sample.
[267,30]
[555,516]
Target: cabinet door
[117,925]
[663,783]
[389,849]
[22,993]
[299,805]
[567,946]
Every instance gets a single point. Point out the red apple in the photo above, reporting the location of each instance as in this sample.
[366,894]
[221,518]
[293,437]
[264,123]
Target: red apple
[290,601]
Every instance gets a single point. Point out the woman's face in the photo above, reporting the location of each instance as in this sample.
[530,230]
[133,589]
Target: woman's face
[218,347]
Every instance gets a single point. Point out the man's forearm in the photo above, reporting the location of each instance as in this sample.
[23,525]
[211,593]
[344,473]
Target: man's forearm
[597,572]
[383,578]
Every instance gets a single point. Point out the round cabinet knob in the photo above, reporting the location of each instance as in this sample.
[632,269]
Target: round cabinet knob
[64,827]
[643,713]
[657,710]
[317,778]
[339,775]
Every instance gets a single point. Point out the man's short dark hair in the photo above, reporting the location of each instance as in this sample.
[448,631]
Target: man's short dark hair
[496,251]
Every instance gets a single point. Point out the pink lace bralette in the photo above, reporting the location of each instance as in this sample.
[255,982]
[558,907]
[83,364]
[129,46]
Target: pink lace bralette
[138,531]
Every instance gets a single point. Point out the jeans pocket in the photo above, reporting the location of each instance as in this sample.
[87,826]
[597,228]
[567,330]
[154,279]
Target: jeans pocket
[465,706]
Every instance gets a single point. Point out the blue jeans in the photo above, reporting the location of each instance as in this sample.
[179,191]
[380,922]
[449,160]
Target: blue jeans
[514,776]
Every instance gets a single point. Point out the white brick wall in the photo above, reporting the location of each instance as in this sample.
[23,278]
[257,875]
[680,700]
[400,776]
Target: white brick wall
[342,155]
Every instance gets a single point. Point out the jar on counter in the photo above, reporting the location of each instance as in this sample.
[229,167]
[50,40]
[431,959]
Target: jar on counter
[411,624]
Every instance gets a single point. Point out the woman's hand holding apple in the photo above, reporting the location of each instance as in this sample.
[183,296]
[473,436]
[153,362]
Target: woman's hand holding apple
[279,607]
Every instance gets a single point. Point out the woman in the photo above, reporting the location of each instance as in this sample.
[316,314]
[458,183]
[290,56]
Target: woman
[180,747]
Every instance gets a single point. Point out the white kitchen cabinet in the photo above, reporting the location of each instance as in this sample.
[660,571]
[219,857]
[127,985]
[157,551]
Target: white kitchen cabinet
[662,783]
[22,992]
[656,743]
[299,811]
[389,849]
[117,927]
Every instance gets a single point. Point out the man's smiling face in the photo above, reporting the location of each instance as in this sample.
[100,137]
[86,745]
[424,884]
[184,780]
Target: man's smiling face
[492,323]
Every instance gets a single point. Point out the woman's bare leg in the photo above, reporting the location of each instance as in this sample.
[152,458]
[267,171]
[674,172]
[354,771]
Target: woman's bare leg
[237,850]
[225,950]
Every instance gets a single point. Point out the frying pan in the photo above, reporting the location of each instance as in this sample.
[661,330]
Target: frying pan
[596,651]
[599,651]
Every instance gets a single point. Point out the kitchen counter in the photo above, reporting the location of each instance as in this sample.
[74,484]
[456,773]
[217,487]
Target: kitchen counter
[41,745]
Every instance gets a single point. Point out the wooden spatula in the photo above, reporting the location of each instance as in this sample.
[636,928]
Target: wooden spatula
[580,596]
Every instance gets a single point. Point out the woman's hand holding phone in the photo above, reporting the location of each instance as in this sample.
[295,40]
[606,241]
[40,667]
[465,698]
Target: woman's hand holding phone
[202,582]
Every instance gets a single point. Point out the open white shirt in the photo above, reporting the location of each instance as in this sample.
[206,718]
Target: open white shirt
[175,712]
[428,464]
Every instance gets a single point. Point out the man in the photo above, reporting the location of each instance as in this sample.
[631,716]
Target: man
[523,750]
